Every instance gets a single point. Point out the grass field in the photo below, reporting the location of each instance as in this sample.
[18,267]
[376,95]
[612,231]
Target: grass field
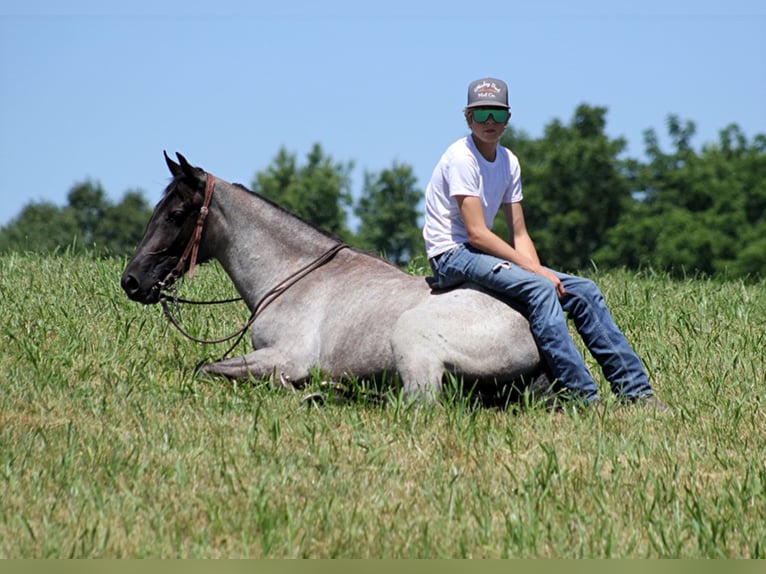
[111,447]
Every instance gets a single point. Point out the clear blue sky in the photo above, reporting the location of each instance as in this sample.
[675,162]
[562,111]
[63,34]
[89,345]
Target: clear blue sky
[97,90]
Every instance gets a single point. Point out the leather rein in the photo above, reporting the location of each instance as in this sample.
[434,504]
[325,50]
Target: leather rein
[168,290]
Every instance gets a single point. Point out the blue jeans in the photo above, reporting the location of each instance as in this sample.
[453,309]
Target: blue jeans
[535,297]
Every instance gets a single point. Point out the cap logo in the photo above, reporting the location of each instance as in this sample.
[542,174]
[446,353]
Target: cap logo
[486,90]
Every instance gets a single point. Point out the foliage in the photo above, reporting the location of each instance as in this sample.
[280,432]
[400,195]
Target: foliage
[110,447]
[89,222]
[574,190]
[41,227]
[318,191]
[388,211]
[701,212]
[687,211]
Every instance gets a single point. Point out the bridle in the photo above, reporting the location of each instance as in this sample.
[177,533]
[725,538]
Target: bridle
[192,248]
[168,289]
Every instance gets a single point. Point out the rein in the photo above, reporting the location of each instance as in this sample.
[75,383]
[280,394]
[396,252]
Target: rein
[168,290]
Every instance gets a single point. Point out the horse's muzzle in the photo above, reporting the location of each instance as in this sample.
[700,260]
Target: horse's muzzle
[134,290]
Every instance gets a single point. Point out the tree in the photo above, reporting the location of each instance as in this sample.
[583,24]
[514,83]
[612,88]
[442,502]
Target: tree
[41,227]
[388,212]
[89,221]
[698,210]
[751,260]
[121,226]
[87,203]
[318,191]
[574,187]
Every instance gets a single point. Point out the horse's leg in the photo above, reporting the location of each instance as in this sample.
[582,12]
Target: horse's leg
[421,380]
[259,364]
[418,360]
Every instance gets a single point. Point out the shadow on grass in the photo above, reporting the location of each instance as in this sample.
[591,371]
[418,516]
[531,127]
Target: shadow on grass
[525,393]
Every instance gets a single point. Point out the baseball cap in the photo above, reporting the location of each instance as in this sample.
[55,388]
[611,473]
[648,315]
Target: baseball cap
[488,92]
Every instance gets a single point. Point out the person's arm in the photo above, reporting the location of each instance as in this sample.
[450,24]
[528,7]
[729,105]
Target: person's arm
[517,231]
[484,239]
[480,236]
[522,242]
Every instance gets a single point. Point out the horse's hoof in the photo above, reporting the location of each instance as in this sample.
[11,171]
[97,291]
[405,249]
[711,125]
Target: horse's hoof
[202,369]
[286,383]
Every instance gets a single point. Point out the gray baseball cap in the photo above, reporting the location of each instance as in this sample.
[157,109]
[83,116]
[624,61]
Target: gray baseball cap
[488,92]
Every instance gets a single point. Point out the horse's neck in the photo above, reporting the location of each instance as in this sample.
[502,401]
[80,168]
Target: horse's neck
[258,244]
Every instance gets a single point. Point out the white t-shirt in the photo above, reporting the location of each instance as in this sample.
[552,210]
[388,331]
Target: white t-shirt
[462,170]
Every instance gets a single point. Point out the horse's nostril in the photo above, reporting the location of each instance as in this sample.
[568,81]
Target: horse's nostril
[129,284]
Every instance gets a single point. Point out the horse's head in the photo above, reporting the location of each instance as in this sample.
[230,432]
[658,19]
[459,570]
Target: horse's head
[162,249]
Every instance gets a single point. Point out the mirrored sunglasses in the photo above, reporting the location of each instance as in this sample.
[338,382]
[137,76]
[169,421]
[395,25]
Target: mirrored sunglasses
[500,115]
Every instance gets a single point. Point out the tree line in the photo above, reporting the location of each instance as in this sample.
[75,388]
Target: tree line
[682,210]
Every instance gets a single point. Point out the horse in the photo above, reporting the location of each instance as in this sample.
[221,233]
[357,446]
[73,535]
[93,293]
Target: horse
[320,305]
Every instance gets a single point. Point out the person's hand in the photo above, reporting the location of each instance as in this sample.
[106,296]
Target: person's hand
[560,291]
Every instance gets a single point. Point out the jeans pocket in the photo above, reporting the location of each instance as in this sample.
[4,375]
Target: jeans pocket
[444,272]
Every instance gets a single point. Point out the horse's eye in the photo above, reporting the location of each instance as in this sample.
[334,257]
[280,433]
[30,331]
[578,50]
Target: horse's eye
[176,216]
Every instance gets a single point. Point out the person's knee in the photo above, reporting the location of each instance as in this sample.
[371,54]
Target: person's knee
[542,289]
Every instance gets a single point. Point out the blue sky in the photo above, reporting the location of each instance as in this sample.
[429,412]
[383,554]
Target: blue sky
[97,90]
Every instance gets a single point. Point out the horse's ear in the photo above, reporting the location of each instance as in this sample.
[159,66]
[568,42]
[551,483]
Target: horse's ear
[174,168]
[188,169]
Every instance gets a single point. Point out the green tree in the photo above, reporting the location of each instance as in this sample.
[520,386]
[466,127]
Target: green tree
[87,203]
[318,191]
[89,221]
[751,259]
[121,226]
[388,212]
[698,211]
[41,227]
[574,187]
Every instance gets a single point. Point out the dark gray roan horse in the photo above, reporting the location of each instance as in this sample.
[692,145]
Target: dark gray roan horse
[345,312]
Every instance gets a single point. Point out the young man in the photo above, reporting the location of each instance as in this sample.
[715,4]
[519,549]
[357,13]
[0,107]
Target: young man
[476,177]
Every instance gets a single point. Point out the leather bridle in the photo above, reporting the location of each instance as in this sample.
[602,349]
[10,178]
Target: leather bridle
[192,248]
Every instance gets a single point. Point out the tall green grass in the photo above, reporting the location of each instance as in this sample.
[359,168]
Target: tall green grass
[111,447]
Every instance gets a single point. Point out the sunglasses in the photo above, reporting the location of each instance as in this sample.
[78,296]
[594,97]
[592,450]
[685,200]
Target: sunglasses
[498,114]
